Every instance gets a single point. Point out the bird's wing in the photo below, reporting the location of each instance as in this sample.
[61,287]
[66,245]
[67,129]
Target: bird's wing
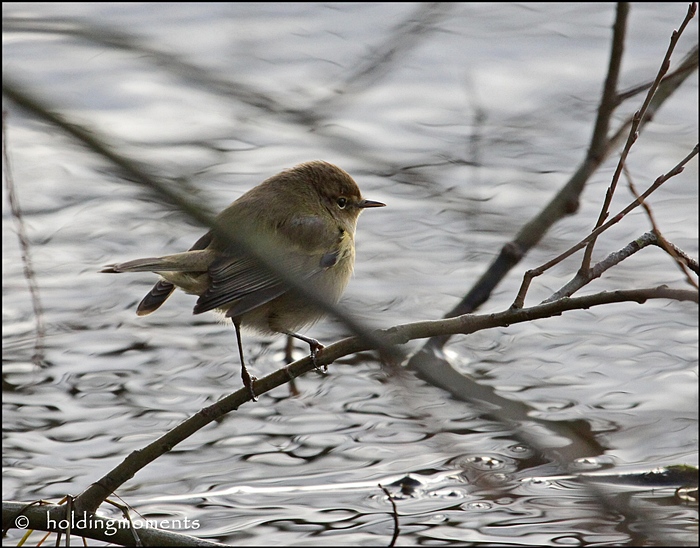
[238,280]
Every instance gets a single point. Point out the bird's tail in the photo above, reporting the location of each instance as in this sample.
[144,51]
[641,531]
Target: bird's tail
[189,261]
[155,297]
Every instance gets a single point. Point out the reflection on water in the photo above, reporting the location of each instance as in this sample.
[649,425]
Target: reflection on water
[465,131]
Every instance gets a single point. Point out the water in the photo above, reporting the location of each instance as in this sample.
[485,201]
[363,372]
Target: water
[465,132]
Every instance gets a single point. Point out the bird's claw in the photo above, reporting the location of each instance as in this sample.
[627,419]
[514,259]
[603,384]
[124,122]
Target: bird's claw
[248,381]
[314,349]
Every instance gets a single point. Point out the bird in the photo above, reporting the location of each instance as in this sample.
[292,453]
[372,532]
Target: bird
[303,218]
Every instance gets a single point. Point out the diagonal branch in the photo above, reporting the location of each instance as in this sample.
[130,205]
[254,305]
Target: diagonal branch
[661,241]
[531,274]
[564,203]
[634,130]
[29,274]
[97,492]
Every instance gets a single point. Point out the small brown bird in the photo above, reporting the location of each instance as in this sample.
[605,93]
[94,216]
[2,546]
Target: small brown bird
[305,217]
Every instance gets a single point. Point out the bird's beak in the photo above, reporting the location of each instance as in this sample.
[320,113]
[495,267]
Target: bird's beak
[369,203]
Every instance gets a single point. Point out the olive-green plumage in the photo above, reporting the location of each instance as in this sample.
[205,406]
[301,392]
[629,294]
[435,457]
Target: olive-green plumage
[304,217]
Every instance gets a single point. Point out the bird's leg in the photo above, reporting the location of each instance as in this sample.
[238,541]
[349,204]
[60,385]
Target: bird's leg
[247,379]
[289,358]
[314,346]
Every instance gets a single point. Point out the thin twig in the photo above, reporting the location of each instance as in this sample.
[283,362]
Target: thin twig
[691,263]
[531,274]
[394,513]
[29,274]
[634,131]
[662,242]
[689,64]
[564,203]
[616,257]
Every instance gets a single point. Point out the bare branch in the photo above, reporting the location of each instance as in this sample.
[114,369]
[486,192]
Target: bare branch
[689,64]
[564,203]
[531,274]
[94,495]
[661,240]
[691,263]
[634,131]
[29,275]
[608,101]
[581,279]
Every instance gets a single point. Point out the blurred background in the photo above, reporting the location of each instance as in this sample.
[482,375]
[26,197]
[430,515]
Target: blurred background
[465,119]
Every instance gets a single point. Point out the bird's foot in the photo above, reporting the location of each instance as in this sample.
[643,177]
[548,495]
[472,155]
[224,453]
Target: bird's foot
[314,348]
[248,382]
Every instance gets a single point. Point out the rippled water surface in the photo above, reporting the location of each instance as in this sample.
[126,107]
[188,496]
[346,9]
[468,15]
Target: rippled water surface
[466,128]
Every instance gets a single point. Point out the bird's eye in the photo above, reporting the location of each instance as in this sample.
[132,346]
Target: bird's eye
[342,202]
